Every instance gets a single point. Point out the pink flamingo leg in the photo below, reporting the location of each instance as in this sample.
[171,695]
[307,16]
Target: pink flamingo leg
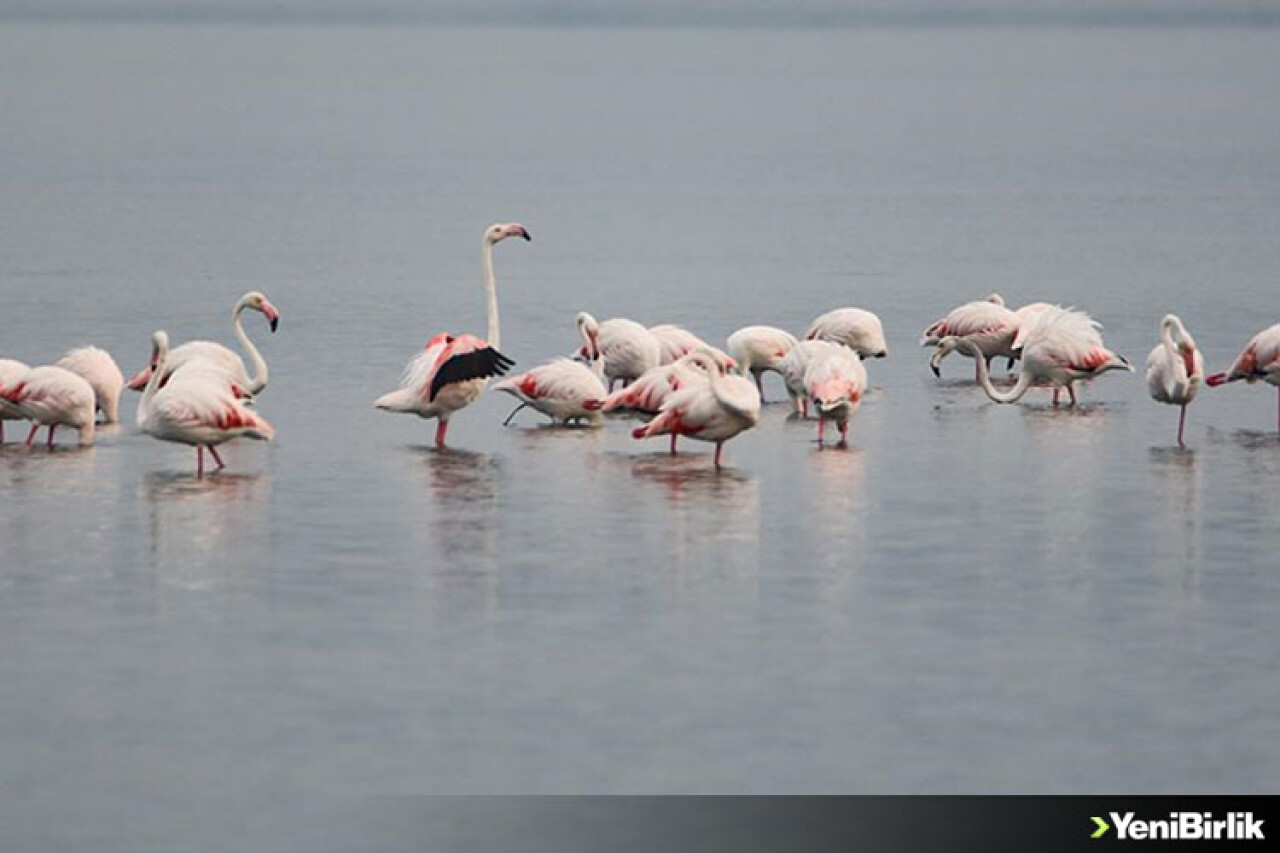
[31,436]
[52,427]
[442,426]
[199,460]
[216,457]
[1182,420]
[673,443]
[844,434]
[821,422]
[1071,392]
[719,447]
[1055,395]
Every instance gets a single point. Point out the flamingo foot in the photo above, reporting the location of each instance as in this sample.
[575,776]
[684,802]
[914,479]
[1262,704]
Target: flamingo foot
[217,458]
[442,426]
[31,436]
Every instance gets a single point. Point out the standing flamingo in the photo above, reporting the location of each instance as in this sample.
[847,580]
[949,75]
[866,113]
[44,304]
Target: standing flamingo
[197,406]
[1260,360]
[564,390]
[859,330]
[675,342]
[53,397]
[715,410]
[1062,348]
[836,381]
[792,368]
[759,348]
[99,369]
[627,348]
[452,371]
[1175,368]
[985,322]
[10,372]
[220,356]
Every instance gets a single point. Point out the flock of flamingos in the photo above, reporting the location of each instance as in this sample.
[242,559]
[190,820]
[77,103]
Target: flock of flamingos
[202,394]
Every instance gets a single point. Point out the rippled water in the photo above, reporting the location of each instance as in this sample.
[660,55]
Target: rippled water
[973,598]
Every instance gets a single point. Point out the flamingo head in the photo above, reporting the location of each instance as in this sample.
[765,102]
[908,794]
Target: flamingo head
[946,346]
[589,329]
[995,298]
[159,346]
[1183,342]
[500,231]
[257,300]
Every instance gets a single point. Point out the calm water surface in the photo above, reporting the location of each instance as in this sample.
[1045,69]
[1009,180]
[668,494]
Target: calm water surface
[973,598]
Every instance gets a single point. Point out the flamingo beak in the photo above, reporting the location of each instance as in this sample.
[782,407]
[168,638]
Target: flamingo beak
[140,379]
[272,315]
[934,366]
[519,231]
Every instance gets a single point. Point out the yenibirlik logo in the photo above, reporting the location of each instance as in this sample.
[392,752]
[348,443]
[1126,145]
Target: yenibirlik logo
[1182,826]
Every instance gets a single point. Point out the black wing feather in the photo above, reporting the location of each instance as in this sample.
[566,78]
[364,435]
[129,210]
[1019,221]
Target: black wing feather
[477,364]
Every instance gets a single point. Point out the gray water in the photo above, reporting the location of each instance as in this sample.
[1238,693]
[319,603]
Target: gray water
[973,598]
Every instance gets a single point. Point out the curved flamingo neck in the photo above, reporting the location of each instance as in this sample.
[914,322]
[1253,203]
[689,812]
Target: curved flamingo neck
[1175,358]
[258,380]
[153,383]
[491,296]
[984,378]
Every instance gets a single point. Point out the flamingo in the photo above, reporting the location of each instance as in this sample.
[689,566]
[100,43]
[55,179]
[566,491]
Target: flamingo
[99,369]
[627,348]
[1062,348]
[197,406]
[53,397]
[985,322]
[563,389]
[757,349]
[10,372]
[452,371]
[715,410]
[1027,316]
[859,330]
[650,391]
[792,367]
[675,342]
[1260,360]
[836,381]
[1175,368]
[220,356]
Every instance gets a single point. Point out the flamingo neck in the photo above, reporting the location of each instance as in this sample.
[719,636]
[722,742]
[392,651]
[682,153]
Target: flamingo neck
[153,384]
[491,296]
[1175,358]
[258,380]
[984,378]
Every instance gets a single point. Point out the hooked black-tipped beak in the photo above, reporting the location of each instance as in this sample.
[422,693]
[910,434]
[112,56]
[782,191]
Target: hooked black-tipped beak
[274,323]
[881,354]
[936,371]
[528,238]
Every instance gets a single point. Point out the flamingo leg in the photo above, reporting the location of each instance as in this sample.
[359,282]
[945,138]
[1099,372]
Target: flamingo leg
[199,461]
[513,413]
[1182,420]
[442,426]
[673,443]
[217,458]
[821,421]
[719,447]
[844,434]
[759,387]
[1055,395]
[52,427]
[805,407]
[1071,392]
[31,436]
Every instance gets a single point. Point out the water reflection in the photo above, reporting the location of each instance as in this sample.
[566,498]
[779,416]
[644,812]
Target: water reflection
[1177,499]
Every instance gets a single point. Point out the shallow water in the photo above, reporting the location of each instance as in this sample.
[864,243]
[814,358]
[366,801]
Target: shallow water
[973,598]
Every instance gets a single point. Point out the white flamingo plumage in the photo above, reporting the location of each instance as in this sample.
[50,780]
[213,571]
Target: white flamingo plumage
[675,342]
[221,357]
[792,368]
[452,371]
[714,410]
[985,322]
[858,329]
[1259,360]
[650,391]
[1063,347]
[836,381]
[758,349]
[11,371]
[564,390]
[99,369]
[1175,368]
[53,397]
[197,406]
[626,348]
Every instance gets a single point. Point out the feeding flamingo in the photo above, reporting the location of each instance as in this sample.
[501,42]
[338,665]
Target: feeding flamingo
[650,391]
[1259,360]
[99,369]
[859,330]
[221,357]
[1175,368]
[627,348]
[10,372]
[53,397]
[715,410]
[836,381]
[452,371]
[985,322]
[1062,348]
[675,342]
[197,406]
[792,367]
[564,390]
[757,349]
